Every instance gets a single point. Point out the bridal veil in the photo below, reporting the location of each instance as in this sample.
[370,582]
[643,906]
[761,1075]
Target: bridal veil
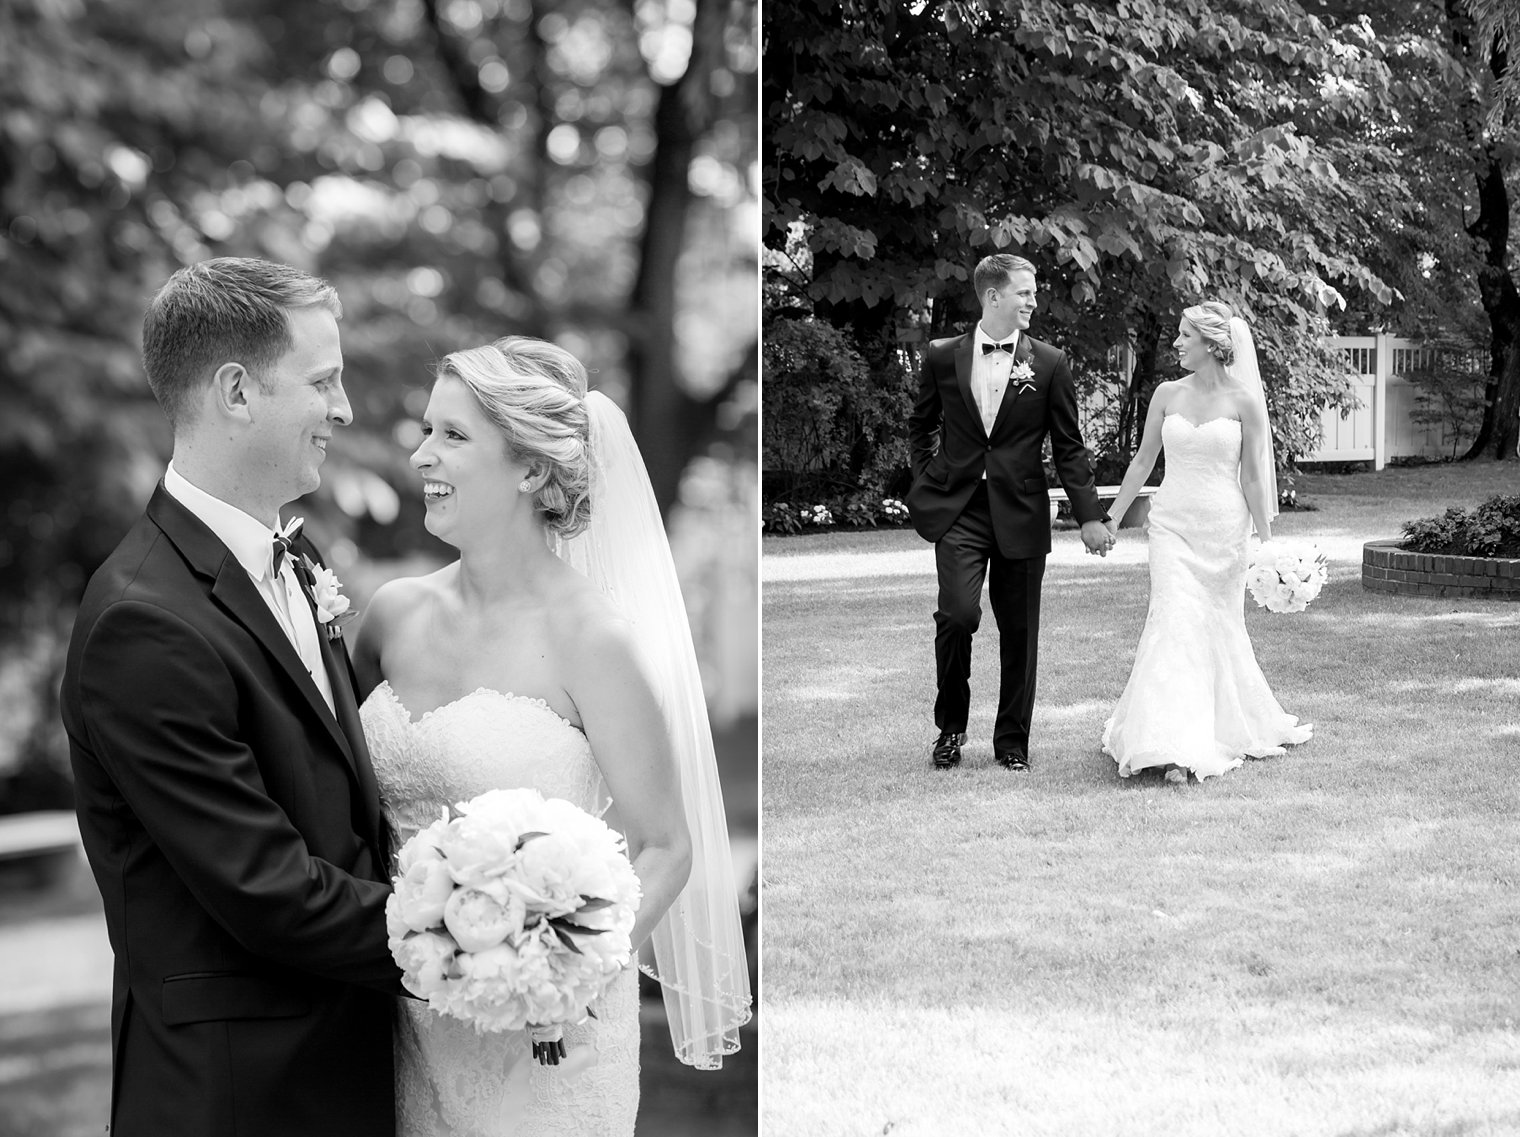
[699,945]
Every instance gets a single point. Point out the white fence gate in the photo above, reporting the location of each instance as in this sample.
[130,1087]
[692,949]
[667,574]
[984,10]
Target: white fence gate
[1383,426]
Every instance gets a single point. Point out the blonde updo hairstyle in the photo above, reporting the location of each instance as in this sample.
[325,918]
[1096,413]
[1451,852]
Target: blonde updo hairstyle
[535,394]
[1212,319]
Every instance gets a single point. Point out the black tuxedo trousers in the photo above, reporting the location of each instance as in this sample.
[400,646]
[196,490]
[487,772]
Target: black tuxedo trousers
[980,495]
[966,556]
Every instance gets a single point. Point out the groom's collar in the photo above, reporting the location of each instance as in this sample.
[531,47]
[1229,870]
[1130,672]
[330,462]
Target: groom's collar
[246,536]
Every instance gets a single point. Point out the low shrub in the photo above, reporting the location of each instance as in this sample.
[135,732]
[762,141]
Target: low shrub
[1488,530]
[855,511]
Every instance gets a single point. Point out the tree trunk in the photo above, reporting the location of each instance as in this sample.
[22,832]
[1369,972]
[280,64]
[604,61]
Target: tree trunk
[517,270]
[667,420]
[1504,410]
[1500,431]
[1142,383]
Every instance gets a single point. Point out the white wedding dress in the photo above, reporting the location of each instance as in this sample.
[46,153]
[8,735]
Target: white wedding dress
[1196,697]
[451,1081]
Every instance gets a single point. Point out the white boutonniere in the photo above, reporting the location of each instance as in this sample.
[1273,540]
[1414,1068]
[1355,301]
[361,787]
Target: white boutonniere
[1021,376]
[333,608]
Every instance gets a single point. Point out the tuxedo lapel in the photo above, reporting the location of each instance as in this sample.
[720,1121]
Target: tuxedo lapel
[1023,353]
[235,592]
[346,707]
[962,358]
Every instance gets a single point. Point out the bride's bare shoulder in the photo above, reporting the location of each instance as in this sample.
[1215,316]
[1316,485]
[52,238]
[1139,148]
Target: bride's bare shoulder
[405,590]
[590,625]
[407,594]
[1165,392]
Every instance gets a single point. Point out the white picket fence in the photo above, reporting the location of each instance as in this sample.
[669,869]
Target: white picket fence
[1383,426]
[1380,428]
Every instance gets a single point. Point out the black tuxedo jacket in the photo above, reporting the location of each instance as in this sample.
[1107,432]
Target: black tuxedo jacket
[950,449]
[234,829]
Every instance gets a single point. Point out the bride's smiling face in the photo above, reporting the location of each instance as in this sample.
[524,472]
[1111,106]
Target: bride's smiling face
[469,477]
[1192,352]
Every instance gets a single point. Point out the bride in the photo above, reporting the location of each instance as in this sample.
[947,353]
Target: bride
[553,654]
[1196,701]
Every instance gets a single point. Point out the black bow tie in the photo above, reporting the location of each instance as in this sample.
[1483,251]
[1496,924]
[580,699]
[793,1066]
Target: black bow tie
[283,541]
[989,348]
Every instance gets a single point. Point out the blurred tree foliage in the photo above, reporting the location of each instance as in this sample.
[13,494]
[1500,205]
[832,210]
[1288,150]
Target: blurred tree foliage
[581,170]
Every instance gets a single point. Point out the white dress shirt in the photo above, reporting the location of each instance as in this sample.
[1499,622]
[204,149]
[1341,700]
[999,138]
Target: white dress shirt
[252,543]
[989,377]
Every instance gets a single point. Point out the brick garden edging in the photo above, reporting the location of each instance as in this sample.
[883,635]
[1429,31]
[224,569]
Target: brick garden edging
[1388,568]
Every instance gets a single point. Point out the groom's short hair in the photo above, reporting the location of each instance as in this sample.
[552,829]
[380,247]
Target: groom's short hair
[226,310]
[995,271]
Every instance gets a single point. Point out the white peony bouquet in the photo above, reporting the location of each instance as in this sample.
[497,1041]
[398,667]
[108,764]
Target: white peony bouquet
[515,911]
[1281,579]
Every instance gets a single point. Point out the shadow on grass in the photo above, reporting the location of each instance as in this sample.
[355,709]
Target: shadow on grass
[1307,944]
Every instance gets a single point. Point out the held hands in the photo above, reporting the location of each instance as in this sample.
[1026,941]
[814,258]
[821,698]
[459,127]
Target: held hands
[1099,536]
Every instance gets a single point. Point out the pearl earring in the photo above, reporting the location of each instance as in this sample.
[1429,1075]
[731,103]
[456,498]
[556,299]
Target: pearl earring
[524,486]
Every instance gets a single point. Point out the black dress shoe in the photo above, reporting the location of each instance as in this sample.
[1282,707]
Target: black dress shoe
[1012,759]
[947,749]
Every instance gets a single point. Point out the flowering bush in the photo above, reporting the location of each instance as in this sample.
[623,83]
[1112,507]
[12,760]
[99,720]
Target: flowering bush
[858,511]
[780,517]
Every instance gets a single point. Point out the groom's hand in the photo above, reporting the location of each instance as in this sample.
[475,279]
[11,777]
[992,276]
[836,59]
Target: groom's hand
[1097,538]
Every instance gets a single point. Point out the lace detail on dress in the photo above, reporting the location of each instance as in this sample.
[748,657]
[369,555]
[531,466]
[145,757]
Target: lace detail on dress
[1196,696]
[451,1081]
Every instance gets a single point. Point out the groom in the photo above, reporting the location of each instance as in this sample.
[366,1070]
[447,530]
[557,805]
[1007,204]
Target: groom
[224,792]
[986,401]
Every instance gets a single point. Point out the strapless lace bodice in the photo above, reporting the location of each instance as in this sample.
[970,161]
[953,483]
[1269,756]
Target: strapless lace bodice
[452,1082]
[486,740]
[1202,483]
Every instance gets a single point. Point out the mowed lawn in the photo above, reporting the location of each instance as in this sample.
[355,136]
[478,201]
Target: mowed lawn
[1326,943]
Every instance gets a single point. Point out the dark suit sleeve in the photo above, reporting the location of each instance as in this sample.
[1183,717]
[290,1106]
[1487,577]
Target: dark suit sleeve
[927,417]
[1073,466]
[161,711]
